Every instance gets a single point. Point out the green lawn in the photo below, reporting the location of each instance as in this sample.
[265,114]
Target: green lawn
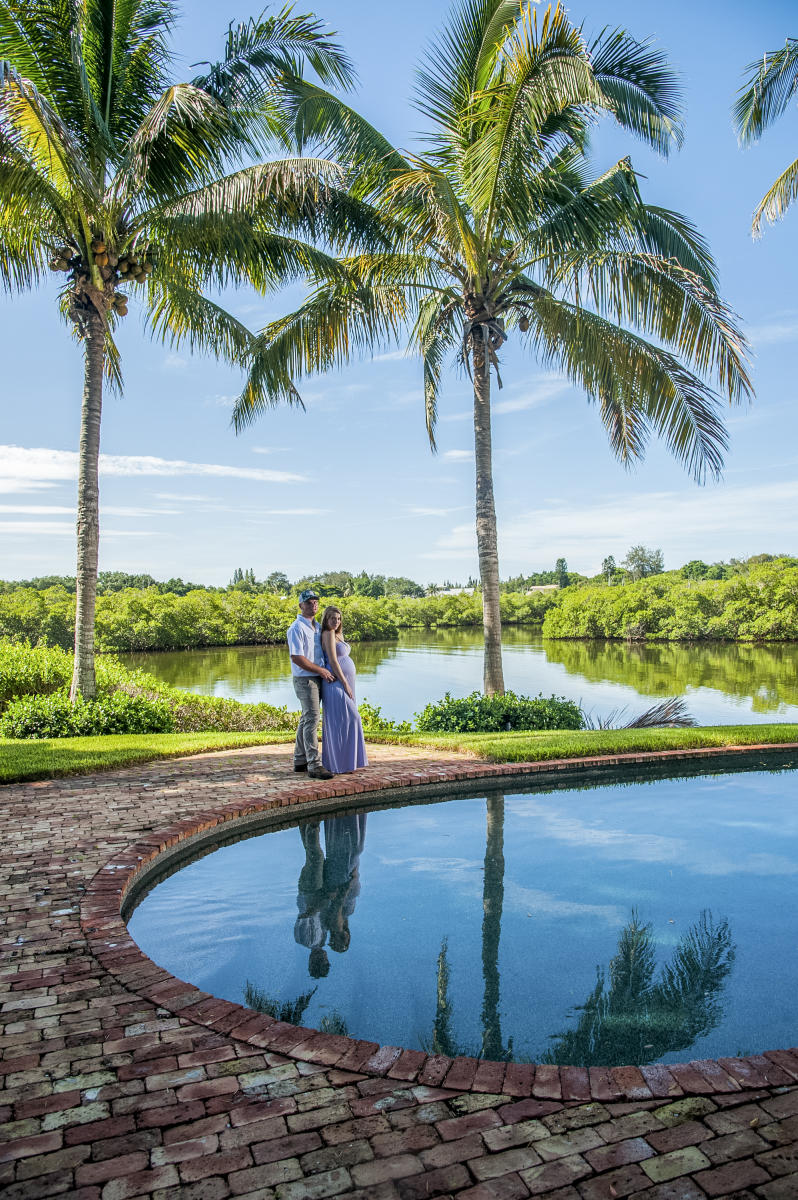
[46,759]
[24,760]
[583,743]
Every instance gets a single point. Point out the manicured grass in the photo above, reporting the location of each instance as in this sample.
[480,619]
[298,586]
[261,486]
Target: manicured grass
[46,759]
[27,760]
[584,743]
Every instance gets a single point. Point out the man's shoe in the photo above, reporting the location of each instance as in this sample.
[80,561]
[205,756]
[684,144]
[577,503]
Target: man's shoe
[320,773]
[300,766]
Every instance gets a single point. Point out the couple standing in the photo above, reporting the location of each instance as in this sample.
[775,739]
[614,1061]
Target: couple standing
[323,673]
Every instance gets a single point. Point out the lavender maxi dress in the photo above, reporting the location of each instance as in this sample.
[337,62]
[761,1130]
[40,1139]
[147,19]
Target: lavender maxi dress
[342,745]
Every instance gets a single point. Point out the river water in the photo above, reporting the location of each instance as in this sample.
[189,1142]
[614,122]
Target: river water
[722,684]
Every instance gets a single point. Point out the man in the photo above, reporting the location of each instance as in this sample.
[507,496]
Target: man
[304,646]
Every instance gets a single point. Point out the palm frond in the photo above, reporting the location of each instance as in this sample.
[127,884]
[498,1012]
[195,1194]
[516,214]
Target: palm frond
[336,322]
[640,88]
[437,330]
[179,315]
[640,388]
[185,141]
[461,59]
[543,72]
[265,48]
[772,83]
[777,199]
[426,202]
[322,120]
[659,297]
[37,38]
[47,140]
[279,191]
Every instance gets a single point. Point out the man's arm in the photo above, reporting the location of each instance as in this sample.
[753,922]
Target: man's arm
[307,665]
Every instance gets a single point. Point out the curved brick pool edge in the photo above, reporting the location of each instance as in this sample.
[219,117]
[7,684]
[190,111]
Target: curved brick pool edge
[119,1081]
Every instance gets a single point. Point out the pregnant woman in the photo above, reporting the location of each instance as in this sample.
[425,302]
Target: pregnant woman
[342,745]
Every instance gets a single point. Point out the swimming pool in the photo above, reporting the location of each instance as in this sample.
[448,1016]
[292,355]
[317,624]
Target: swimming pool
[619,923]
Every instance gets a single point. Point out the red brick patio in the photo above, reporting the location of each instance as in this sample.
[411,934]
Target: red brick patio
[119,1081]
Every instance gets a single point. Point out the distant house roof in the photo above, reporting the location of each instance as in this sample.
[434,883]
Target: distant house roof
[457,592]
[543,587]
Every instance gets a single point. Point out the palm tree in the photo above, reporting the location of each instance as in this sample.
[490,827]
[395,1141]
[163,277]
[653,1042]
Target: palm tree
[500,226]
[772,83]
[113,175]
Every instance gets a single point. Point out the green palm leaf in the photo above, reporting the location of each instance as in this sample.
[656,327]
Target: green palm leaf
[772,84]
[777,199]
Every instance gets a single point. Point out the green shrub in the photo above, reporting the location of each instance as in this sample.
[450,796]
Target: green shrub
[198,714]
[32,670]
[491,714]
[375,722]
[54,716]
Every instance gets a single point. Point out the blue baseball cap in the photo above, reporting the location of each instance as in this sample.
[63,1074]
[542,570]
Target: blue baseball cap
[308,594]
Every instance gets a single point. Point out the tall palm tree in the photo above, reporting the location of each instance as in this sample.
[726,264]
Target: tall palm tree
[114,175]
[501,227]
[772,83]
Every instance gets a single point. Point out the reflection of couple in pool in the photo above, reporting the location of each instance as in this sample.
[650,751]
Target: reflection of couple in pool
[329,884]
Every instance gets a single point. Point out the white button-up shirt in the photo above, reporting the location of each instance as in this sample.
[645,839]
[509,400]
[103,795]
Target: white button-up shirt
[304,637]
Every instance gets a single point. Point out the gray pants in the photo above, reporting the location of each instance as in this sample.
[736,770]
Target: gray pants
[306,749]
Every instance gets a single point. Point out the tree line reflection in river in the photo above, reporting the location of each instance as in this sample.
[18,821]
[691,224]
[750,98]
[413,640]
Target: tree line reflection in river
[631,1016]
[768,675]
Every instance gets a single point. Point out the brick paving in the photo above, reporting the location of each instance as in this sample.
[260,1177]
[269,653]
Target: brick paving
[118,1081]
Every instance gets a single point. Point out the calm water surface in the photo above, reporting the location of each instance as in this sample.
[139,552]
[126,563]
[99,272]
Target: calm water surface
[723,684]
[623,923]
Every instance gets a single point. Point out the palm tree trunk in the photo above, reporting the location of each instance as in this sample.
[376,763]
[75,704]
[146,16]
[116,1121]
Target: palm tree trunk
[492,904]
[493,675]
[83,680]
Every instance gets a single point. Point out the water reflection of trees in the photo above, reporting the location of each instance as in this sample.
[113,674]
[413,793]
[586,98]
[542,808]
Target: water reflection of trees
[443,1038]
[631,1018]
[246,669]
[767,674]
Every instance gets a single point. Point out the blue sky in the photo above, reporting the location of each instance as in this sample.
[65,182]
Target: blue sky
[351,483]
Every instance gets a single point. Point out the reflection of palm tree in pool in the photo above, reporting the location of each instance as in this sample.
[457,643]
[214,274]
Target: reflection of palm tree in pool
[637,1020]
[443,1039]
[492,905]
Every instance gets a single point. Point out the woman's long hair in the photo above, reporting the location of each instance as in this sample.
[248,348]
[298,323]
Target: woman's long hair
[325,620]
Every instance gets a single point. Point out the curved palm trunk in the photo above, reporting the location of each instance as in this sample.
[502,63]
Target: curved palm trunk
[88,529]
[487,548]
[492,904]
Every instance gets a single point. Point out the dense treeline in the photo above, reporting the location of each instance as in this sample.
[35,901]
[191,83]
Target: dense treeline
[760,605]
[149,619]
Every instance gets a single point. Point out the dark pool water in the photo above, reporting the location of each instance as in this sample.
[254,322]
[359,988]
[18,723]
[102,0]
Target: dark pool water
[622,923]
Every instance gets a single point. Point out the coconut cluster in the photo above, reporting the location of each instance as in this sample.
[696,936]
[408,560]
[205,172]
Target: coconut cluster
[130,267]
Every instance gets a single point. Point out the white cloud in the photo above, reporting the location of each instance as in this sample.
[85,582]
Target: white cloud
[41,463]
[781,329]
[431,512]
[714,522]
[65,528]
[542,390]
[390,356]
[294,512]
[222,401]
[458,455]
[53,510]
[13,487]
[457,416]
[175,362]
